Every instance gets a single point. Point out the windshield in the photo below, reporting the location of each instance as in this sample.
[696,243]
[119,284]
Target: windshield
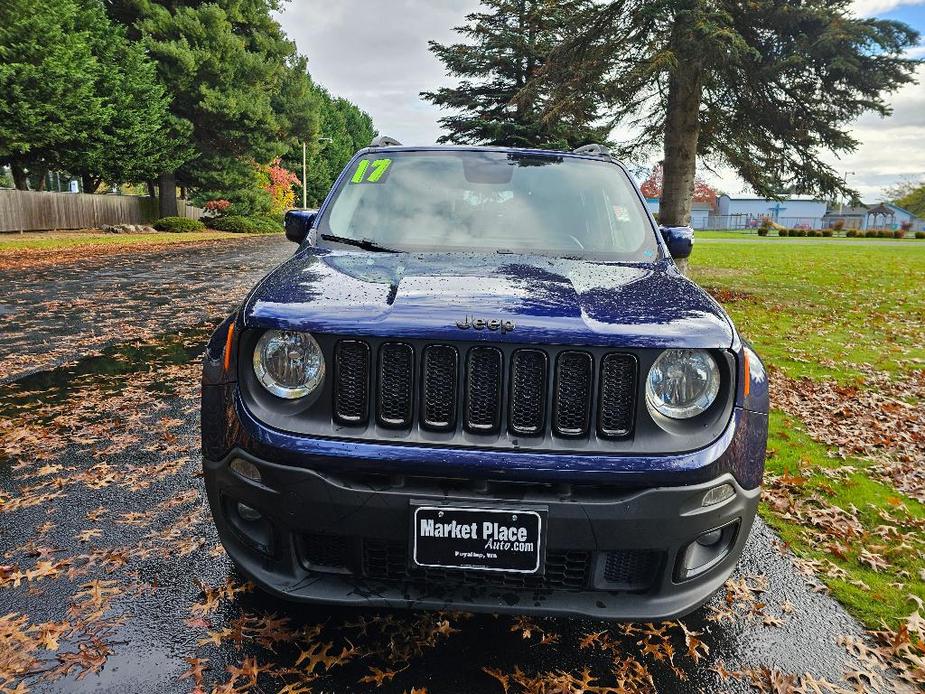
[491,201]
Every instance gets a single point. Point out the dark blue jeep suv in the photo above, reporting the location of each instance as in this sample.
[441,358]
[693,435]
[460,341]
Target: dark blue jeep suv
[482,383]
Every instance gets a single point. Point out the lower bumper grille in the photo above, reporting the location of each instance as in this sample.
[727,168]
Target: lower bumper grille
[388,561]
[569,570]
[631,569]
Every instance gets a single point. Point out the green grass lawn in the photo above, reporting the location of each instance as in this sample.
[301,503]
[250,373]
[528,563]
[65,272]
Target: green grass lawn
[818,307]
[821,309]
[815,480]
[66,240]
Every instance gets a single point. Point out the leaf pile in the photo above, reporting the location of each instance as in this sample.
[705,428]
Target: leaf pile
[880,418]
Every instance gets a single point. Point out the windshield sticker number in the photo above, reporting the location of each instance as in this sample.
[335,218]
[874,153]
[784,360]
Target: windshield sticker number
[371,172]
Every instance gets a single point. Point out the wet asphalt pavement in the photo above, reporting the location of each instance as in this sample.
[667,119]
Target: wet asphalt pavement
[53,313]
[111,563]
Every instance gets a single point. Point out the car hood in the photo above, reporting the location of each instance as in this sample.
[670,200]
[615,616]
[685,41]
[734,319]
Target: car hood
[549,300]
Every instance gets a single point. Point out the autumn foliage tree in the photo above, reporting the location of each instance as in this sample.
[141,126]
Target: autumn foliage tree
[278,182]
[652,186]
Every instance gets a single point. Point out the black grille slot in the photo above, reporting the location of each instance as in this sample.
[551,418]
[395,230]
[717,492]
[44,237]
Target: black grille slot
[388,561]
[484,367]
[631,569]
[351,382]
[396,383]
[572,402]
[617,395]
[324,551]
[527,416]
[439,371]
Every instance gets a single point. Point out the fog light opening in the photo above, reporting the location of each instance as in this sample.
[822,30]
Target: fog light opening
[706,551]
[711,538]
[718,495]
[249,525]
[245,468]
[248,513]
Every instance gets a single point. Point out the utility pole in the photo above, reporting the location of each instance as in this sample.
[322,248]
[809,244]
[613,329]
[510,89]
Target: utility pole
[844,179]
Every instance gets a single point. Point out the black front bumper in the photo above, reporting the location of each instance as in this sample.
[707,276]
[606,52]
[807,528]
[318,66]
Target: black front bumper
[343,540]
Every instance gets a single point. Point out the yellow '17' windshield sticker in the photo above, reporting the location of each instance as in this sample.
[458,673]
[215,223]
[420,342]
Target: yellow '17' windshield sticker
[371,172]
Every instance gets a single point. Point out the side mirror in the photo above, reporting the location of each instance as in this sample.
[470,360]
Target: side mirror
[680,241]
[298,223]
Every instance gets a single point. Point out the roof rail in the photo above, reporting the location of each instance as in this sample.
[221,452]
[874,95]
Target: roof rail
[594,150]
[384,141]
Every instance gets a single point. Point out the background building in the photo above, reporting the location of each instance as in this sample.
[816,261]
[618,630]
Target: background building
[884,215]
[795,212]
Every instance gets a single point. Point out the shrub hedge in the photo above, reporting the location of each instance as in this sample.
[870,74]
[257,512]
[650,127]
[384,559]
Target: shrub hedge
[178,225]
[920,234]
[239,224]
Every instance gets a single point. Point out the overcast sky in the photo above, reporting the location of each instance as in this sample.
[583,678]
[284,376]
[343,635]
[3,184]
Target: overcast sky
[375,54]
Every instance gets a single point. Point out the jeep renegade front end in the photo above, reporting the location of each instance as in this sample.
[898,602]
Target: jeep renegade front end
[481,383]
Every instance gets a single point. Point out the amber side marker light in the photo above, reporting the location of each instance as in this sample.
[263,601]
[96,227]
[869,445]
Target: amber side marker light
[231,335]
[748,377]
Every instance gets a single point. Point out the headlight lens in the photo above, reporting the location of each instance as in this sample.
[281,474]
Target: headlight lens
[682,383]
[289,364]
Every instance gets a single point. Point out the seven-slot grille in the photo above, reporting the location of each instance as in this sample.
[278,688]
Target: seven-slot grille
[566,392]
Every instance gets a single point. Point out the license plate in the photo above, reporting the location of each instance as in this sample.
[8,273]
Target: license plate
[478,539]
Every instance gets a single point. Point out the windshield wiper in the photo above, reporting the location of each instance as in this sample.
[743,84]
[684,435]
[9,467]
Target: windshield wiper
[365,244]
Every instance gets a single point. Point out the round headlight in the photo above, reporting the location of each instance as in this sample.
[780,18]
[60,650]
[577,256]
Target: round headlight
[289,364]
[682,383]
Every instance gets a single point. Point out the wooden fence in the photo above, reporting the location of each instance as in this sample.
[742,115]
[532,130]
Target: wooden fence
[26,210]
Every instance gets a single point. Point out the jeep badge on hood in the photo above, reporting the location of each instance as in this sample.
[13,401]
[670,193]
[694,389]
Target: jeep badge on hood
[505,326]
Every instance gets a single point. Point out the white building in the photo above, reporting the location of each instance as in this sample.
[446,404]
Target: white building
[801,212]
[700,212]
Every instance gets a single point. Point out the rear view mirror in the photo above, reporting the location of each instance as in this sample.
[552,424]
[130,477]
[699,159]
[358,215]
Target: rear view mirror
[680,241]
[298,223]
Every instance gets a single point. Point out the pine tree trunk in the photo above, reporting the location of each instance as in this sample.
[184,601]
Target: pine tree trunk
[167,183]
[682,130]
[91,184]
[152,193]
[42,174]
[20,178]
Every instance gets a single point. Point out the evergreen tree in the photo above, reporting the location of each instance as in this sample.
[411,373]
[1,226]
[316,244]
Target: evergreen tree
[48,90]
[343,129]
[128,143]
[508,45]
[764,87]
[223,64]
[78,96]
